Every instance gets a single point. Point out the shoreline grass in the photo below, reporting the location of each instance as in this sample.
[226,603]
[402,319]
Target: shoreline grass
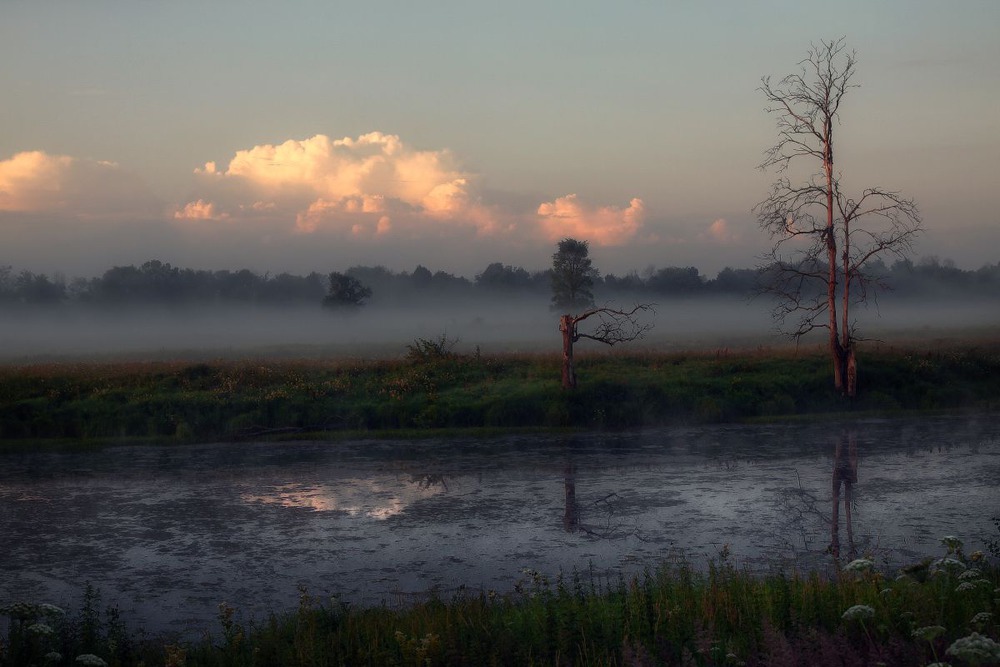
[166,402]
[674,615]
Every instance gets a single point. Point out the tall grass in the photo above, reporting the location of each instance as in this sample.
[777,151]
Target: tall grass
[675,615]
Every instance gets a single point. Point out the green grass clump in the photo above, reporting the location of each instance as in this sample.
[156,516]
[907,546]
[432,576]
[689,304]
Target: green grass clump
[434,388]
[675,615]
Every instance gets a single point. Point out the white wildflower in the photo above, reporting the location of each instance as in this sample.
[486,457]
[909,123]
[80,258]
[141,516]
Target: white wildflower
[51,610]
[981,620]
[947,565]
[975,648]
[952,542]
[858,612]
[19,610]
[90,660]
[971,573]
[939,664]
[859,565]
[41,629]
[53,656]
[966,586]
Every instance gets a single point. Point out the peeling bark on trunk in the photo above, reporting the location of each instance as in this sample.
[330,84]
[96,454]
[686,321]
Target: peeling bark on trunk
[567,326]
[852,373]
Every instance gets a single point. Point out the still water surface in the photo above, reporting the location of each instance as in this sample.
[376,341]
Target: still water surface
[168,533]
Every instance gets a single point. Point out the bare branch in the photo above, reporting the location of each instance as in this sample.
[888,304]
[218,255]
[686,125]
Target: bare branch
[616,325]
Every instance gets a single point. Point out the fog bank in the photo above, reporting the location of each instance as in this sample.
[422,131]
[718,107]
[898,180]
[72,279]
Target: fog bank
[502,325]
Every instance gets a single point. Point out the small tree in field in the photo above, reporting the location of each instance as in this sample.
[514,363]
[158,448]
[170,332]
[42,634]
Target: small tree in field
[614,325]
[572,275]
[822,237]
[572,278]
[346,292]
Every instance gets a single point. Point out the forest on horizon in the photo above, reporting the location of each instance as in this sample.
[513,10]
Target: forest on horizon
[160,283]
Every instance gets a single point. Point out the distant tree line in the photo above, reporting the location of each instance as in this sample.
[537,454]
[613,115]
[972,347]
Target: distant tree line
[160,283]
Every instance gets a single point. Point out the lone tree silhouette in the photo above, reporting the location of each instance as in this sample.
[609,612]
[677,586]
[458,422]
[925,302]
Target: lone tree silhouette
[572,280]
[822,237]
[346,292]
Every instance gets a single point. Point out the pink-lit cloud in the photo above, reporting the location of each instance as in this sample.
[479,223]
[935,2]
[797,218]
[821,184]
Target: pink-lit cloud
[36,182]
[199,210]
[603,226]
[372,196]
[720,231]
[374,182]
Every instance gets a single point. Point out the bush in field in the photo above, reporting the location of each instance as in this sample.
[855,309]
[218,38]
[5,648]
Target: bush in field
[431,349]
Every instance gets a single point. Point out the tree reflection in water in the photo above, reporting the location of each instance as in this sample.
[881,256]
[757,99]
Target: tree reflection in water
[845,474]
[612,527]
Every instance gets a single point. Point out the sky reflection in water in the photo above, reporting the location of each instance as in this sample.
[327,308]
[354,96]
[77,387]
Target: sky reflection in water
[170,532]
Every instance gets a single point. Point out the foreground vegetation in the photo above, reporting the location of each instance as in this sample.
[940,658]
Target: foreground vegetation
[433,388]
[942,609]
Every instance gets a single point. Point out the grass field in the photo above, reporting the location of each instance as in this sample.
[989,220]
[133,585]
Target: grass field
[434,389]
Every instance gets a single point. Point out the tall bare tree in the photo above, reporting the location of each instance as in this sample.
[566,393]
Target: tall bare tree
[822,237]
[614,325]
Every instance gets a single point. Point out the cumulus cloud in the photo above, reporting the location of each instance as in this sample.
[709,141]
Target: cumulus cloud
[199,210]
[36,182]
[349,185]
[720,231]
[603,226]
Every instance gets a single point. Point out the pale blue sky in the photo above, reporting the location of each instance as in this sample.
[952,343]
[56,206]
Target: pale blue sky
[532,102]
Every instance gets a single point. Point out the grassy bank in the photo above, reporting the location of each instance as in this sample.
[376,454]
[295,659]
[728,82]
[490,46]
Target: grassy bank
[184,401]
[677,615]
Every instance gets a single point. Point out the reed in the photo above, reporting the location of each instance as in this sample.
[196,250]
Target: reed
[708,614]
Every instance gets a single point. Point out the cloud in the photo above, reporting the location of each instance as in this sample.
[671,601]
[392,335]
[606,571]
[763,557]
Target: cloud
[603,226]
[374,182]
[199,210]
[36,182]
[720,232]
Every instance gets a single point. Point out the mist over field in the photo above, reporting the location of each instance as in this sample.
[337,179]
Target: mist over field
[494,325]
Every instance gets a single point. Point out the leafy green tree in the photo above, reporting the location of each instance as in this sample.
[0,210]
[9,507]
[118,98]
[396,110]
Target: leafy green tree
[39,289]
[676,281]
[572,276]
[421,276]
[346,292]
[503,277]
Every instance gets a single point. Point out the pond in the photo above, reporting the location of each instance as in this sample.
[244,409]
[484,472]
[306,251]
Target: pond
[168,533]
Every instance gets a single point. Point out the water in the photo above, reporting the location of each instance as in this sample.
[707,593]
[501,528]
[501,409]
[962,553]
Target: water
[168,533]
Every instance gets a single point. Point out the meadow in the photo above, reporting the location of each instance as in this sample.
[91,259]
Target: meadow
[431,389]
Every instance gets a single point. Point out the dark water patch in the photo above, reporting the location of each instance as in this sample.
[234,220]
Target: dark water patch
[170,532]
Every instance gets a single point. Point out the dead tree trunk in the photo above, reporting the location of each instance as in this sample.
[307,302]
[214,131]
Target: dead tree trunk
[567,325]
[852,373]
[614,326]
[823,238]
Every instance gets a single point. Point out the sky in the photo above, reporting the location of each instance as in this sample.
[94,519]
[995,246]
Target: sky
[314,136]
